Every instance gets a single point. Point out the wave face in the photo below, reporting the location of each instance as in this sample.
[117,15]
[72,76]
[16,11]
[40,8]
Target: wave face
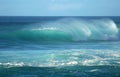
[69,29]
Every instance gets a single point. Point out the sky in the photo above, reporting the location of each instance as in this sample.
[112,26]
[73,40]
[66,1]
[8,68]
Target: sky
[59,7]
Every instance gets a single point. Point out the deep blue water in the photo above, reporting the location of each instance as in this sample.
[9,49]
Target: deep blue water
[59,46]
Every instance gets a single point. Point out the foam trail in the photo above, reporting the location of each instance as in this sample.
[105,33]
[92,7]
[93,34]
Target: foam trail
[55,58]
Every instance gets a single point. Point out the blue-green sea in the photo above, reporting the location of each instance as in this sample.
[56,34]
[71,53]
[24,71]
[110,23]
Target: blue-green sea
[64,46]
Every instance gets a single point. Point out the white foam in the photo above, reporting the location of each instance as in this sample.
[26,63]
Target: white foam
[46,28]
[14,64]
[94,70]
[82,57]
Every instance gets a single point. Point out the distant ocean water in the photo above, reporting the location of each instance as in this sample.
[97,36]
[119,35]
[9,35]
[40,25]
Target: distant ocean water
[59,46]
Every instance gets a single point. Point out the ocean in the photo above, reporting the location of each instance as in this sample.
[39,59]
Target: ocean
[59,46]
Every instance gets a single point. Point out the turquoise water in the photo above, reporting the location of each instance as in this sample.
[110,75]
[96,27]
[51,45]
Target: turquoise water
[60,47]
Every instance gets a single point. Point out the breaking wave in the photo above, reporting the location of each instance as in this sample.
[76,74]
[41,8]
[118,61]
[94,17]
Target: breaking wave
[66,30]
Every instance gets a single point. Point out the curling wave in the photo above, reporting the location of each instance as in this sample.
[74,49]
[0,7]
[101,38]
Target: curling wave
[66,30]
